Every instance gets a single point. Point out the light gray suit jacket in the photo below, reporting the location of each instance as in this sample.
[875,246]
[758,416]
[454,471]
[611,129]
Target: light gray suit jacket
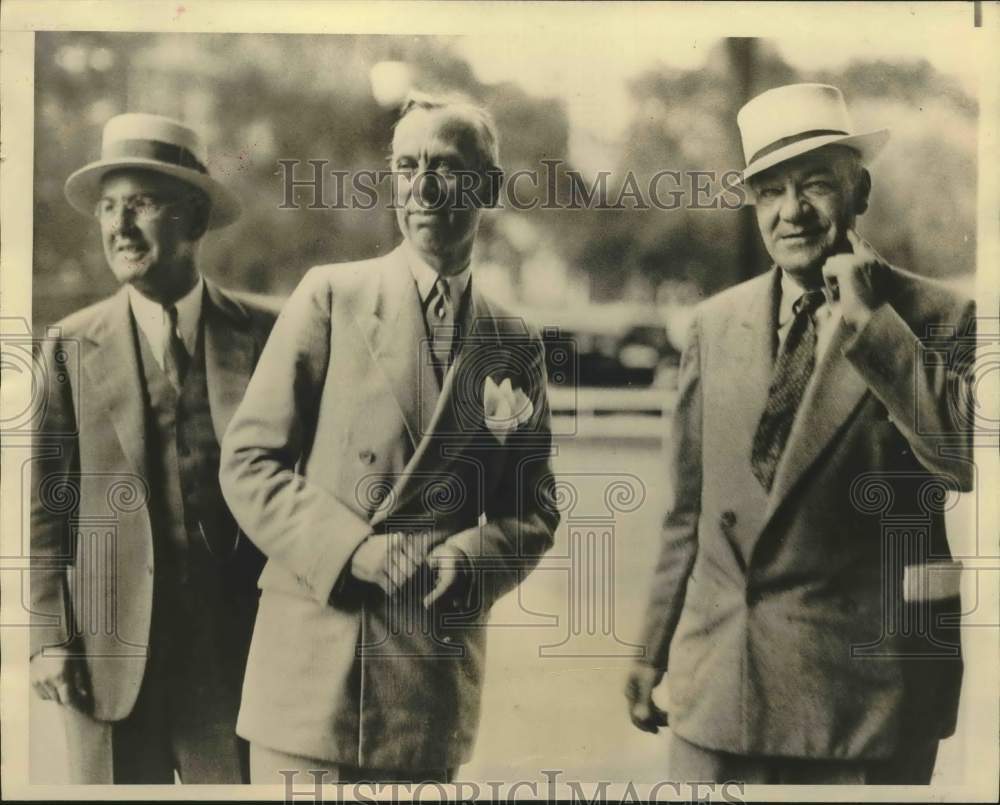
[780,617]
[343,433]
[91,536]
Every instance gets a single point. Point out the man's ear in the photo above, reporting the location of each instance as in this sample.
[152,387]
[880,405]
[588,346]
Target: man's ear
[862,190]
[492,183]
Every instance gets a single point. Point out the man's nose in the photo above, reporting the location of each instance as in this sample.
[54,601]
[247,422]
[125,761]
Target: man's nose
[793,204]
[122,219]
[429,189]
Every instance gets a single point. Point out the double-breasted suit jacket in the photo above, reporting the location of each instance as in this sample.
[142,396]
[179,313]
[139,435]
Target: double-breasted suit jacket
[344,432]
[790,623]
[95,510]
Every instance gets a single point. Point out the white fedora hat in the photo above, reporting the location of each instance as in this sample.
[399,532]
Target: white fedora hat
[152,142]
[789,121]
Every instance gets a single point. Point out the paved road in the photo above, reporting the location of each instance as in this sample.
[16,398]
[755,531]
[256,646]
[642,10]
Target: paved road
[568,713]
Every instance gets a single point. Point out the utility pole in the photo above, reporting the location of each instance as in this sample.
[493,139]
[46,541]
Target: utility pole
[742,66]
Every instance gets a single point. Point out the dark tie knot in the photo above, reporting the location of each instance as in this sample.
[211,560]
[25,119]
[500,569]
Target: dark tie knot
[171,311]
[808,303]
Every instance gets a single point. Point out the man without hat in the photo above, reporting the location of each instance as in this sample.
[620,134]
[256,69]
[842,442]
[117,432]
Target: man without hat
[143,589]
[804,639]
[391,458]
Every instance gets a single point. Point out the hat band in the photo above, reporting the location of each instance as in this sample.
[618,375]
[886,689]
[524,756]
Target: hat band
[154,149]
[795,138]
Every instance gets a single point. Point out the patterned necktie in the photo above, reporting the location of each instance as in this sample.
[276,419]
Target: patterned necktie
[791,376]
[441,325]
[175,355]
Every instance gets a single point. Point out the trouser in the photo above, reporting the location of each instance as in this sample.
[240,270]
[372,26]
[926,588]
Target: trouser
[158,738]
[272,766]
[912,764]
[184,718]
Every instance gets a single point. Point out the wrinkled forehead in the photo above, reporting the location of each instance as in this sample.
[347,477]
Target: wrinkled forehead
[431,131]
[133,181]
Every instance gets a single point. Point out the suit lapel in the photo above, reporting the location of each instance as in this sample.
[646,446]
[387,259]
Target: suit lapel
[751,352]
[230,352]
[114,378]
[459,406]
[735,396]
[392,324]
[832,395]
[457,415]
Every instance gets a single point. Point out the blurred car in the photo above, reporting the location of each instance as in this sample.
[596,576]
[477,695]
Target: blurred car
[602,346]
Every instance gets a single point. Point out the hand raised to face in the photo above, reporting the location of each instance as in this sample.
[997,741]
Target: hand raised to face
[854,278]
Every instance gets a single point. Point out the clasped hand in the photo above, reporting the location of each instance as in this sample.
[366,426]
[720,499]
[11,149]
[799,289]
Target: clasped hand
[390,561]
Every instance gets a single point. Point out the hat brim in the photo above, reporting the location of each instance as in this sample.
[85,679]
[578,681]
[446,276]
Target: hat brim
[83,187]
[869,145]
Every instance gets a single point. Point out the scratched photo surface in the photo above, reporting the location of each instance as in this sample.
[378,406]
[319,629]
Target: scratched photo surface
[400,530]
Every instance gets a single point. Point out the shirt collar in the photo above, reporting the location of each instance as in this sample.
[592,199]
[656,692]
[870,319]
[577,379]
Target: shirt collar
[425,277]
[149,316]
[791,290]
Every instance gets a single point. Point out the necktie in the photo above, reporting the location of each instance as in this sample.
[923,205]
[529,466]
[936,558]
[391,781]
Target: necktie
[175,355]
[791,376]
[441,325]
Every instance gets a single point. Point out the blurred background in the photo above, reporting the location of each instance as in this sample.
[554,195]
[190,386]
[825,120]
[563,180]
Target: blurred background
[619,281]
[617,285]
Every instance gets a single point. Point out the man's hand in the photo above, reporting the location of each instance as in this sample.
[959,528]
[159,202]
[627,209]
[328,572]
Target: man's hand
[452,571]
[388,560]
[854,279]
[62,678]
[642,680]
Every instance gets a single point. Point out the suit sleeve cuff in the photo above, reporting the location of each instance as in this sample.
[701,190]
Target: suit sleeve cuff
[331,574]
[474,592]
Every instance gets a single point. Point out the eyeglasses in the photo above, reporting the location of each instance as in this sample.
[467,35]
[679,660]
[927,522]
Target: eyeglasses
[142,207]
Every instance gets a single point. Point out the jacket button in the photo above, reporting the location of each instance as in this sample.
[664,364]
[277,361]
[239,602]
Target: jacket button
[366,456]
[727,519]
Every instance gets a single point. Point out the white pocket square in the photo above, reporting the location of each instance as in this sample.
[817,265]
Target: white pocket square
[504,407]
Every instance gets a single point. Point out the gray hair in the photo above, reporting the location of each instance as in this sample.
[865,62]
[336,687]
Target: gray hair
[477,116]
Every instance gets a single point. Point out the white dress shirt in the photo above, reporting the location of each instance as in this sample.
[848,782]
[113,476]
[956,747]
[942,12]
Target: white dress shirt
[425,277]
[149,315]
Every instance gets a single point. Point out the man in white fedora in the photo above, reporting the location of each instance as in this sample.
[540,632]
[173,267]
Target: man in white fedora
[143,589]
[391,459]
[800,605]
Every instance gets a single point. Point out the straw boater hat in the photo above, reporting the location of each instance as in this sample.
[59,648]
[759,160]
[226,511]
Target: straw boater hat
[152,142]
[789,121]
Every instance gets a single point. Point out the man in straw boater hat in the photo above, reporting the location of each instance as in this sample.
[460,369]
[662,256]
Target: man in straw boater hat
[143,589]
[804,607]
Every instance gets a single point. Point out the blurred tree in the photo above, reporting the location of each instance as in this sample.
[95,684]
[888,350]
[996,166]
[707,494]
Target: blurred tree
[257,99]
[923,211]
[261,98]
